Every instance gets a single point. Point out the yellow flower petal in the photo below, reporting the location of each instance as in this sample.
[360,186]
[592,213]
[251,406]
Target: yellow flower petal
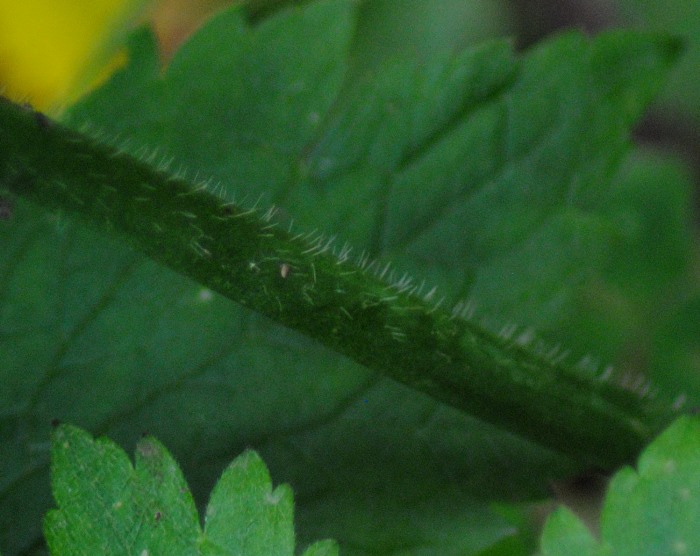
[46,45]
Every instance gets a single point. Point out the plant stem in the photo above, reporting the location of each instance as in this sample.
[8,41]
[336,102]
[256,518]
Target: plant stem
[303,283]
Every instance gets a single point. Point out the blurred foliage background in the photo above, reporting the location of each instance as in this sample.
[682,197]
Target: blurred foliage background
[51,51]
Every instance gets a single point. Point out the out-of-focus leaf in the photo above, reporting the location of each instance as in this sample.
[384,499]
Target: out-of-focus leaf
[675,357]
[646,270]
[681,97]
[389,29]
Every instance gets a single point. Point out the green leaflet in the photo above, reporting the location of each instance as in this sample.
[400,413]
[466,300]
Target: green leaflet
[648,511]
[107,506]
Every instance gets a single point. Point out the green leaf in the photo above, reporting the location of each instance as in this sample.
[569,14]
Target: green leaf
[322,548]
[645,270]
[385,28]
[565,534]
[467,154]
[107,506]
[245,516]
[681,98]
[675,355]
[652,510]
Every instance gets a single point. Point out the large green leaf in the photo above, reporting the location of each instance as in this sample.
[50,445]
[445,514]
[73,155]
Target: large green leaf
[457,171]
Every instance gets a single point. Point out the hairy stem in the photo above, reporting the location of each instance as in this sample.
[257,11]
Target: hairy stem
[298,281]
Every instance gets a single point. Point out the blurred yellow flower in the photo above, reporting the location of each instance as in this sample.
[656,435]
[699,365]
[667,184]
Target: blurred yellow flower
[49,48]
